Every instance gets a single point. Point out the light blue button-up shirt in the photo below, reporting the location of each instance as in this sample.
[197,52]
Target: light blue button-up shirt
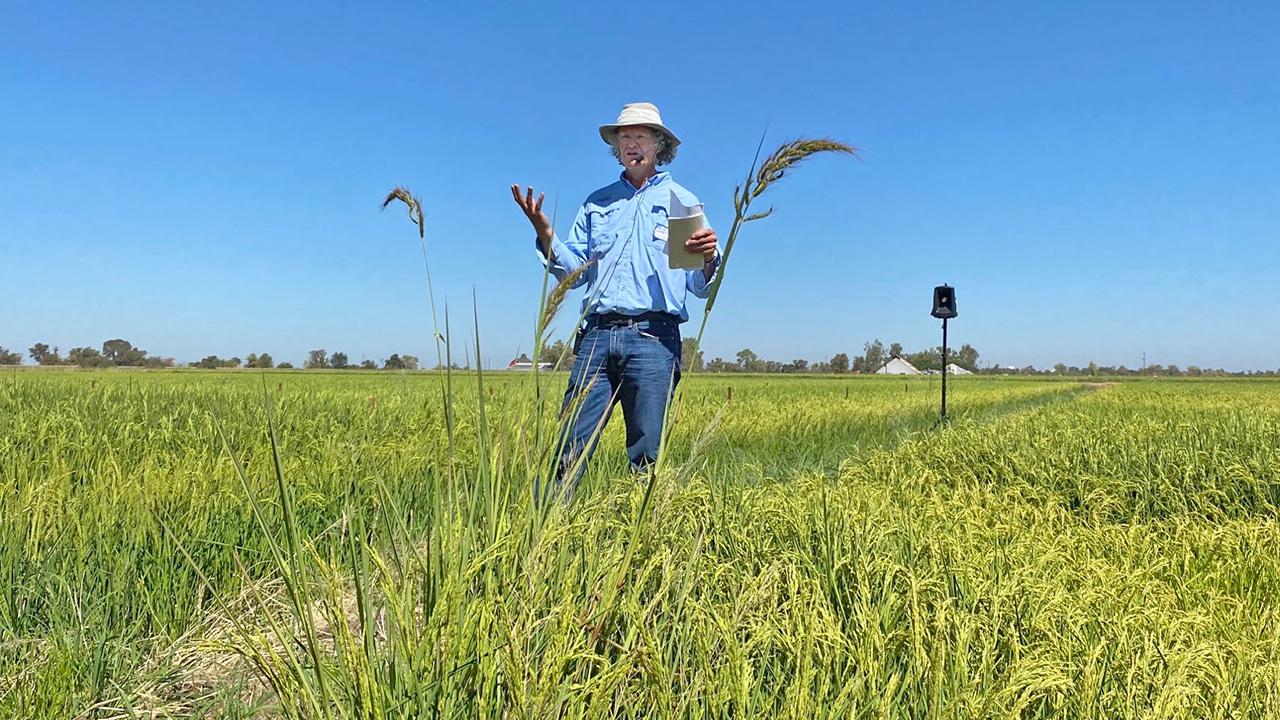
[625,231]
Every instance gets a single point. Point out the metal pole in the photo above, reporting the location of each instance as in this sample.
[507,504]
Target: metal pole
[944,369]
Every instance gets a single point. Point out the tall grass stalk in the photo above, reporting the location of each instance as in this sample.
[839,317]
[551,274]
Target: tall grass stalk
[541,328]
[413,206]
[760,177]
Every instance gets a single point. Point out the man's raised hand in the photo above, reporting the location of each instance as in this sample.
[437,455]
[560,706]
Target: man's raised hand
[533,210]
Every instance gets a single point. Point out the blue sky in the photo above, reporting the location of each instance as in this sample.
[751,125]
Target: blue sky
[1097,179]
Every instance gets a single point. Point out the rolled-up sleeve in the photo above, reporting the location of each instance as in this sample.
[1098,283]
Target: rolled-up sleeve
[697,281]
[567,255]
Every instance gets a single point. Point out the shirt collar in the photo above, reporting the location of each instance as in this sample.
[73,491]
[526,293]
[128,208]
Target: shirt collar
[658,177]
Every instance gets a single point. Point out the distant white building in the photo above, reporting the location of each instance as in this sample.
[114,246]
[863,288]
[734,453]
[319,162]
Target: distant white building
[954,369]
[898,366]
[526,366]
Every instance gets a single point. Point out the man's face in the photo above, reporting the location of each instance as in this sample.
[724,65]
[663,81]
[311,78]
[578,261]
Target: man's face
[637,147]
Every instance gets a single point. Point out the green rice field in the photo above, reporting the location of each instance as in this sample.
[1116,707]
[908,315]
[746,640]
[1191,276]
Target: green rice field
[248,544]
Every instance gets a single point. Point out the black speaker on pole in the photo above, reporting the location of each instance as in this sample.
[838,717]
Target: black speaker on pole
[944,302]
[944,308]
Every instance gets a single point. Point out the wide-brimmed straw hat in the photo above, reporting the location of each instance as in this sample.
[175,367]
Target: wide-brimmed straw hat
[639,114]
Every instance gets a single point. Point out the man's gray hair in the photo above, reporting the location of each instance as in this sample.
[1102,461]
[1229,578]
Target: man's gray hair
[666,150]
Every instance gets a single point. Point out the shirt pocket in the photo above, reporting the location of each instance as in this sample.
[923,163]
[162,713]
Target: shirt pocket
[604,234]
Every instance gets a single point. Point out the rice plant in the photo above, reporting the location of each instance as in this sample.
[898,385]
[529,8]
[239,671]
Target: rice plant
[1060,552]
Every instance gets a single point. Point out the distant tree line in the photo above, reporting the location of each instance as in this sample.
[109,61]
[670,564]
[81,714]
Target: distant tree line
[316,360]
[1153,370]
[122,353]
[118,352]
[114,353]
[320,360]
[874,356]
[559,354]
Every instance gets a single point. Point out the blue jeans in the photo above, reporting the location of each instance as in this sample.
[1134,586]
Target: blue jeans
[636,365]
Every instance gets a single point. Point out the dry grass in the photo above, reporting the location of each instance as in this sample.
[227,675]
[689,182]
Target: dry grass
[412,204]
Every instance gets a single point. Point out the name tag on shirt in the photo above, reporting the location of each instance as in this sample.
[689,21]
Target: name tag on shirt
[660,232]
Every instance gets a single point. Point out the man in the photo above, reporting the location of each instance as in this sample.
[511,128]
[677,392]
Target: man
[629,348]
